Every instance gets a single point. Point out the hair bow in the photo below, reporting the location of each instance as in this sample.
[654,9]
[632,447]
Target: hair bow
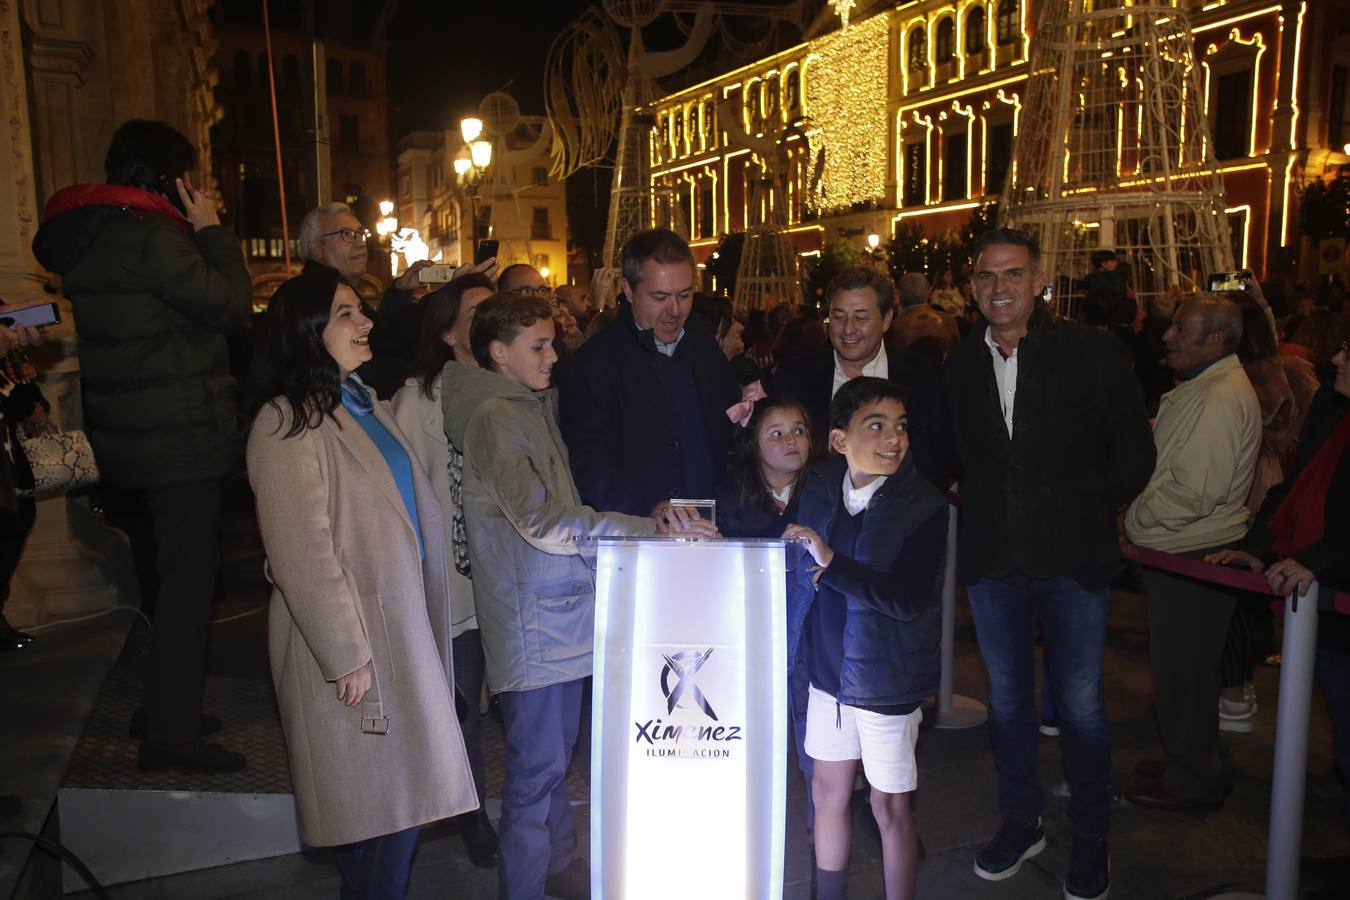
[741,412]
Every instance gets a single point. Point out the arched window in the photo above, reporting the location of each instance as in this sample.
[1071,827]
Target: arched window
[794,92]
[1005,25]
[335,83]
[358,81]
[944,41]
[918,50]
[695,140]
[975,31]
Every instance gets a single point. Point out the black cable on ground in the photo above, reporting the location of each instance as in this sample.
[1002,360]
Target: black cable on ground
[60,850]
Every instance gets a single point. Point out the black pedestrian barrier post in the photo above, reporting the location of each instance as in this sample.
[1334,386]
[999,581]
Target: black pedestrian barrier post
[953,710]
[1285,836]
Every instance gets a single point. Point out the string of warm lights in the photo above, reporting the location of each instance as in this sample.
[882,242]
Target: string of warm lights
[865,106]
[846,99]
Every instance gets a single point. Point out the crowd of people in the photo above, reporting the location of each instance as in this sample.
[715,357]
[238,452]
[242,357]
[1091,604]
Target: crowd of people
[423,468]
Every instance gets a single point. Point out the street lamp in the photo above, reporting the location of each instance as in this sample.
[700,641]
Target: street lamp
[385,228]
[470,129]
[471,163]
[481,154]
[874,254]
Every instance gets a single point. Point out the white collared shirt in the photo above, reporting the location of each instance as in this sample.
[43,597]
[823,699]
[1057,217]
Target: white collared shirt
[879,367]
[1005,374]
[856,499]
[783,496]
[668,349]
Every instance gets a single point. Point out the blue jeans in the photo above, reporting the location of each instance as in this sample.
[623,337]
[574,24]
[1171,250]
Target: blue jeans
[1073,627]
[377,868]
[537,837]
[1332,670]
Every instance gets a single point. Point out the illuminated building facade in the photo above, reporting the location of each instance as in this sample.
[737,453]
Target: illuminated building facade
[918,105]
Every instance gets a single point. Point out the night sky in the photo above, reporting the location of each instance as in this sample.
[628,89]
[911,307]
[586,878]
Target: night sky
[444,57]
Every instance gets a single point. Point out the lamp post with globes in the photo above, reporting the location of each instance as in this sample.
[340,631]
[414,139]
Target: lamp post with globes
[385,228]
[471,164]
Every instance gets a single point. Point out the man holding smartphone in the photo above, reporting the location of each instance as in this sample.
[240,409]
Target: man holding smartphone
[156,284]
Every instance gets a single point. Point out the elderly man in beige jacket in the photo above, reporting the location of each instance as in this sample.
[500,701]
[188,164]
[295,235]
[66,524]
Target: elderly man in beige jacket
[1207,434]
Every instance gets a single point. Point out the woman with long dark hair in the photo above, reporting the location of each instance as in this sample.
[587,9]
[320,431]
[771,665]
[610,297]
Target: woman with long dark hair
[359,628]
[442,342]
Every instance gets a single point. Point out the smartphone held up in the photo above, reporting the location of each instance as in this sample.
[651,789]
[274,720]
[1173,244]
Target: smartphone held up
[30,315]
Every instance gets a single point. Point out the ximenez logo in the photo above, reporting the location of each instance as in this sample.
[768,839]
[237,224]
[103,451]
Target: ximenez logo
[679,685]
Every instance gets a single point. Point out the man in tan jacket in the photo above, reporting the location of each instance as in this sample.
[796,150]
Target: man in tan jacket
[1207,435]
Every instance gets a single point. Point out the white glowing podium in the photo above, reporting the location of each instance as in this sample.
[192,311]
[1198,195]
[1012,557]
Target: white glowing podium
[689,727]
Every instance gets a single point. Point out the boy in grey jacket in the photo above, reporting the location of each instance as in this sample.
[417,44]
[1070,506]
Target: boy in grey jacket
[535,595]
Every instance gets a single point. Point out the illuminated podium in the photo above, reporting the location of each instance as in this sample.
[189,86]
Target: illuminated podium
[689,728]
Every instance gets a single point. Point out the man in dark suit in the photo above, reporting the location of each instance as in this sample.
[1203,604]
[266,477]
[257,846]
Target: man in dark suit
[643,403]
[1054,440]
[861,304]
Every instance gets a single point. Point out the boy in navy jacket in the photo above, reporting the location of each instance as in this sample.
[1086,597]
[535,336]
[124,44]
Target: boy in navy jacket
[864,623]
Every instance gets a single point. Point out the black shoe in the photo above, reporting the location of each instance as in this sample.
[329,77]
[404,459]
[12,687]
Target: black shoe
[1016,842]
[571,883]
[10,807]
[1049,727]
[479,838]
[136,730]
[12,638]
[194,756]
[1089,870]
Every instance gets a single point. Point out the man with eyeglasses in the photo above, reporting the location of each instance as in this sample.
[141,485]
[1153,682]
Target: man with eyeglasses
[332,235]
[520,278]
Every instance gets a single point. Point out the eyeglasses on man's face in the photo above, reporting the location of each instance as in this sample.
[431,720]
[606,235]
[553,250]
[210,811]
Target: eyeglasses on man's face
[542,291]
[349,235]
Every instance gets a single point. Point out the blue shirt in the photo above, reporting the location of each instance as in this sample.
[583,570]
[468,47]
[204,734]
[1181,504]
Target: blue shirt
[358,403]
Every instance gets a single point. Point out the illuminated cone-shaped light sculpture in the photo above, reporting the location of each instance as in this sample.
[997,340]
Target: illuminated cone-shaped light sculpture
[768,273]
[1114,150]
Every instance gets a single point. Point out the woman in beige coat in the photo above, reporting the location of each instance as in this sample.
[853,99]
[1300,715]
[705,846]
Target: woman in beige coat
[359,630]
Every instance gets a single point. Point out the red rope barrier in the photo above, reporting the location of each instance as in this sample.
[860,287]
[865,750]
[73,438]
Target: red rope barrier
[1242,579]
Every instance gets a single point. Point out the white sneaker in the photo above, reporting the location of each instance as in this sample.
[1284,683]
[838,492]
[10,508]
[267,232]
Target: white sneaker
[1235,717]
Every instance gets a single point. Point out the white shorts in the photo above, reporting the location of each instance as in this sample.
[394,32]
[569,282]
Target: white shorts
[885,744]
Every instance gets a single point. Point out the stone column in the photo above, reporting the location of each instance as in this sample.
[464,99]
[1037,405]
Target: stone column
[58,576]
